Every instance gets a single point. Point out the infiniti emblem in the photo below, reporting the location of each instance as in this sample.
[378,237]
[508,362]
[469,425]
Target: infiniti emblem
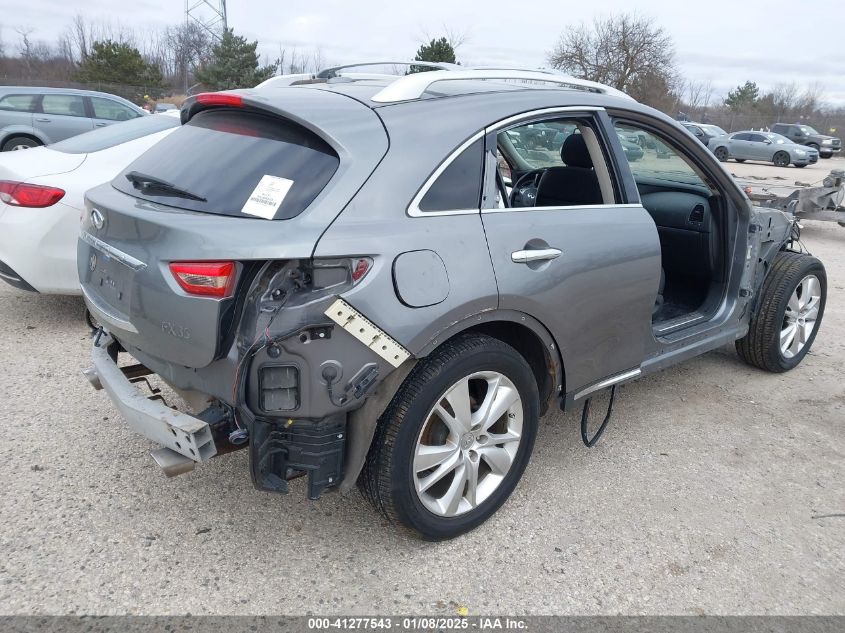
[92,262]
[97,219]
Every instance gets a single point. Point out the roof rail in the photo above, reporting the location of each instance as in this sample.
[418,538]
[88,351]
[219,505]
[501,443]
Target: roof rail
[414,86]
[286,80]
[329,73]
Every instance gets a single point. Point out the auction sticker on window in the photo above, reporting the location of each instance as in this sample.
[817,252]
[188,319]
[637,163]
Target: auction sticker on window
[267,197]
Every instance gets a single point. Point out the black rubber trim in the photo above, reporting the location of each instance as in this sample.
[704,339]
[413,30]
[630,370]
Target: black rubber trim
[14,279]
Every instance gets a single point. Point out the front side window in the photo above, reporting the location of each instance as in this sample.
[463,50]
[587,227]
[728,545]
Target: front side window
[757,138]
[112,110]
[660,163]
[554,163]
[19,103]
[65,105]
[539,144]
[459,186]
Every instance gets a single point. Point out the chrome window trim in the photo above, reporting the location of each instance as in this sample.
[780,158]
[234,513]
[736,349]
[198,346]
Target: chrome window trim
[543,112]
[626,205]
[414,210]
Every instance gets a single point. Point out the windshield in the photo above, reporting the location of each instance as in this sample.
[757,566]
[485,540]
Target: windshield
[115,134]
[807,129]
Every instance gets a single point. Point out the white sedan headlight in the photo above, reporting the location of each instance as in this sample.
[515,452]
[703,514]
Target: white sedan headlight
[800,152]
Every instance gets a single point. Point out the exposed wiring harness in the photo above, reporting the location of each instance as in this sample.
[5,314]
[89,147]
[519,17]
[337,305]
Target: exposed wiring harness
[795,238]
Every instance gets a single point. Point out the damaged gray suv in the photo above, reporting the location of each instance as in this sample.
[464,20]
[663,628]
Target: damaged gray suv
[377,282]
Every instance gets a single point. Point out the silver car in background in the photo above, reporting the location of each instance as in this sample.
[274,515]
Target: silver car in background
[30,117]
[763,146]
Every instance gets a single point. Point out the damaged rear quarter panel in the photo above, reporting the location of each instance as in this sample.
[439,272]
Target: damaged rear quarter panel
[378,225]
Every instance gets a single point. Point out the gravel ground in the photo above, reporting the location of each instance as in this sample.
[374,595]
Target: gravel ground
[718,489]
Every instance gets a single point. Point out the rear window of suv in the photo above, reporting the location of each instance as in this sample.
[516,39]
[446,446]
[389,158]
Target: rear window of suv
[230,162]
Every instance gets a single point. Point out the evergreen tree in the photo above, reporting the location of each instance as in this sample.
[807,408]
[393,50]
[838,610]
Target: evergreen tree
[437,50]
[743,98]
[234,64]
[120,64]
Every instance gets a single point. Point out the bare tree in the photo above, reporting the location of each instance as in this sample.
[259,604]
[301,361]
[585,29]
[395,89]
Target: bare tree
[626,51]
[79,33]
[784,99]
[811,100]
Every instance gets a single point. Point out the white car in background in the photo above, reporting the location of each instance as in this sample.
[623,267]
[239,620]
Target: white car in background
[42,196]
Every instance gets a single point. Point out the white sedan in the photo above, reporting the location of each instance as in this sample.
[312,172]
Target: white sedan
[42,197]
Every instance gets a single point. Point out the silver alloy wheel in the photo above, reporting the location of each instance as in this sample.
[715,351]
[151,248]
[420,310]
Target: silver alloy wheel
[799,320]
[468,443]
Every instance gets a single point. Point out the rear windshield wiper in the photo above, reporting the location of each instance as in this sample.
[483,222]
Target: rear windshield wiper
[146,183]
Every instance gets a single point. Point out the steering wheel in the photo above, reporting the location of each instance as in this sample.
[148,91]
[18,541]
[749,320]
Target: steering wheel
[524,191]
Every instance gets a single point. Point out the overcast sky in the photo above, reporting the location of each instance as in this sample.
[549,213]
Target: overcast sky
[724,41]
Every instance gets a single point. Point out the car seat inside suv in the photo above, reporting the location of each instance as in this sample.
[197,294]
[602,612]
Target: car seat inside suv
[575,183]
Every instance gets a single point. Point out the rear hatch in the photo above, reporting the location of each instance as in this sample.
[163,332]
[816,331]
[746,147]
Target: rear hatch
[248,178]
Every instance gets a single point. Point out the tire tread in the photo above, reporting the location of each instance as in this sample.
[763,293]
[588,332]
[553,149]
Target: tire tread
[756,346]
[375,481]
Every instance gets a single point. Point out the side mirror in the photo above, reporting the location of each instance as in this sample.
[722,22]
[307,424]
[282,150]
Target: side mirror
[767,142]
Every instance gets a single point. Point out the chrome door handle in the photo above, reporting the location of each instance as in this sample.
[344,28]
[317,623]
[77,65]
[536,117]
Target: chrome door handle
[43,120]
[535,255]
[100,124]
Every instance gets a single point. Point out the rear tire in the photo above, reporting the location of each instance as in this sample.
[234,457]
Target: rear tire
[781,159]
[20,142]
[787,316]
[421,435]
[721,153]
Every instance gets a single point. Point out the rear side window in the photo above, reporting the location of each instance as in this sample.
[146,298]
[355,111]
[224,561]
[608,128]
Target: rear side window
[459,186]
[19,103]
[111,135]
[229,162]
[112,110]
[66,105]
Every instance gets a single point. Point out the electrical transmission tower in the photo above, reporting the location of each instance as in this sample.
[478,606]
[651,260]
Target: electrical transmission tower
[209,14]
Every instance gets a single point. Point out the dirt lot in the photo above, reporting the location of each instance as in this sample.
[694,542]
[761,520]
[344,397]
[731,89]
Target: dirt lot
[781,180]
[718,489]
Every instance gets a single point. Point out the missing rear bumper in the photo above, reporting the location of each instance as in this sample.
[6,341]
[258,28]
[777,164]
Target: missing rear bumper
[181,433]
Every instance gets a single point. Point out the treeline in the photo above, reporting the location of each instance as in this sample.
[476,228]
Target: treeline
[747,106]
[627,51]
[134,62]
[636,55]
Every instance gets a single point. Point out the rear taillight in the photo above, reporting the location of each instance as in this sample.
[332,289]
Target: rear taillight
[220,99]
[360,267]
[20,194]
[205,279]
